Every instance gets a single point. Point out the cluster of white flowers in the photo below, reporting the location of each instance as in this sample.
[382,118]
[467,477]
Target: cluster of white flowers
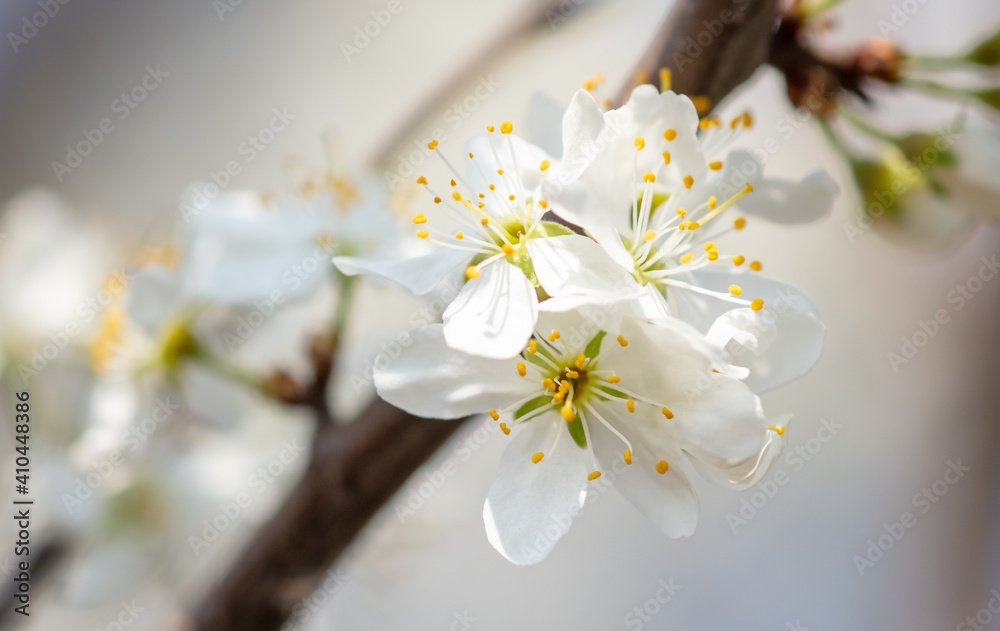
[599,321]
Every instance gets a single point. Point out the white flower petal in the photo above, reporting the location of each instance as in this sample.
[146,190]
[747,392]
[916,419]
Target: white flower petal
[531,506]
[577,204]
[574,265]
[777,346]
[743,474]
[494,315]
[430,379]
[420,274]
[667,499]
[978,151]
[529,159]
[789,201]
[543,123]
[154,296]
[713,413]
[582,126]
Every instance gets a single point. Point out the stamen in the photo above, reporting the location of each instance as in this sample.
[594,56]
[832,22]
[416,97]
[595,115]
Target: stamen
[545,164]
[686,258]
[666,157]
[757,304]
[755,266]
[666,80]
[506,127]
[627,456]
[506,430]
[472,272]
[630,404]
[688,181]
[568,412]
[494,415]
[593,476]
[614,379]
[735,290]
[522,369]
[432,145]
[711,202]
[639,143]
[739,223]
[554,335]
[489,128]
[649,236]
[777,428]
[421,180]
[670,134]
[532,347]
[622,340]
[537,457]
[715,165]
[581,359]
[419,218]
[572,374]
[662,467]
[507,249]
[667,413]
[738,260]
[649,177]
[423,234]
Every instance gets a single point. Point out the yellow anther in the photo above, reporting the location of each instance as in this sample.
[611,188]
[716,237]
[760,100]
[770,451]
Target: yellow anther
[777,428]
[499,171]
[558,397]
[736,121]
[505,429]
[670,134]
[735,290]
[749,187]
[594,475]
[711,202]
[662,467]
[455,195]
[715,165]
[419,218]
[459,235]
[581,359]
[507,248]
[738,260]
[494,415]
[537,457]
[701,103]
[472,272]
[622,340]
[568,412]
[757,304]
[686,257]
[688,181]
[666,157]
[493,187]
[614,379]
[627,456]
[553,336]
[489,128]
[482,205]
[454,183]
[532,347]
[510,197]
[544,165]
[522,369]
[681,212]
[665,79]
[713,255]
[547,383]
[739,223]
[506,127]
[666,412]
[649,177]
[630,404]
[543,203]
[639,143]
[755,266]
[423,234]
[482,196]
[709,246]
[421,180]
[747,119]
[471,156]
[437,200]
[649,236]
[484,221]
[572,374]
[432,145]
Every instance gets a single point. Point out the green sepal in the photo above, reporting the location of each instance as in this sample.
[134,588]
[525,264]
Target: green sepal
[576,431]
[531,406]
[594,345]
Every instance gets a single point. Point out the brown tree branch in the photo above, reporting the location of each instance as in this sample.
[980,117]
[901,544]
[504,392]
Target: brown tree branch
[356,468]
[710,46]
